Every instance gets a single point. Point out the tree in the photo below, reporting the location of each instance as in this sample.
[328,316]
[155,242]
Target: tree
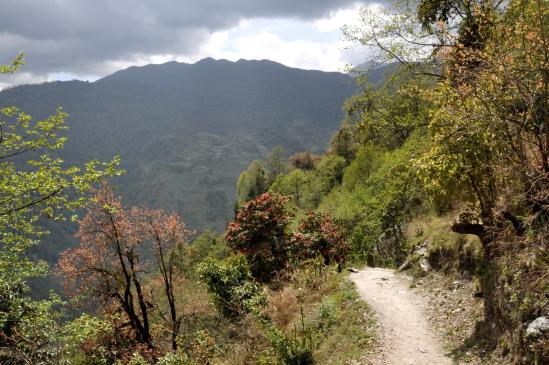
[107,264]
[488,110]
[318,235]
[230,282]
[259,232]
[368,159]
[419,36]
[305,187]
[470,18]
[386,115]
[344,144]
[251,183]
[167,234]
[35,184]
[331,168]
[490,148]
[276,164]
[489,132]
[304,160]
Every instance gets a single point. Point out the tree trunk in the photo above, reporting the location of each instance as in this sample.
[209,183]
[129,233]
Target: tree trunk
[488,280]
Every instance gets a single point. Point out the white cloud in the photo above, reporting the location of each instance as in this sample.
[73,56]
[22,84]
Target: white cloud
[337,19]
[20,78]
[305,54]
[314,44]
[307,44]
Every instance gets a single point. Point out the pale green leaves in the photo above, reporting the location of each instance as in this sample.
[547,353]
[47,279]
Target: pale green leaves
[9,69]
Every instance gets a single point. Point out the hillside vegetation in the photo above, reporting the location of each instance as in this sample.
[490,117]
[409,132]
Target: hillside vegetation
[184,131]
[443,167]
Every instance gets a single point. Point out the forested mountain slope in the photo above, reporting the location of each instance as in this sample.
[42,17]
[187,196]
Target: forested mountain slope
[185,131]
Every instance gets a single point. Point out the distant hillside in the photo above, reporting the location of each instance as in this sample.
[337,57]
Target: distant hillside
[185,131]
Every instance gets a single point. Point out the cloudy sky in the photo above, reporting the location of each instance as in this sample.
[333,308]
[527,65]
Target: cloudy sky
[88,39]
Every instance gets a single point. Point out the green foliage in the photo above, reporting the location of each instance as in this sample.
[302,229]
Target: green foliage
[386,116]
[170,359]
[230,282]
[14,67]
[35,185]
[342,323]
[28,328]
[344,143]
[368,159]
[325,316]
[43,188]
[305,187]
[251,183]
[208,244]
[432,11]
[82,340]
[330,168]
[473,30]
[291,351]
[203,348]
[459,160]
[481,132]
[487,150]
[276,164]
[136,359]
[380,191]
[331,323]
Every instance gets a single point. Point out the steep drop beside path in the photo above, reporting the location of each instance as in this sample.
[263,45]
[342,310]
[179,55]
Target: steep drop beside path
[406,335]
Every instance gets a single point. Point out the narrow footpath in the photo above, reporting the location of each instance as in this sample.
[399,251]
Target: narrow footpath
[407,338]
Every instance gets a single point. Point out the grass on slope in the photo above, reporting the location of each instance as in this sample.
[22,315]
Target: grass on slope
[319,309]
[316,308]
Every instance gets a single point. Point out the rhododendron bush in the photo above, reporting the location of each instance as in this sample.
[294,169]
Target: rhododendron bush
[318,235]
[260,232]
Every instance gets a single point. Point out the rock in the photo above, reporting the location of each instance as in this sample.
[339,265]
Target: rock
[422,251]
[352,269]
[424,264]
[538,326]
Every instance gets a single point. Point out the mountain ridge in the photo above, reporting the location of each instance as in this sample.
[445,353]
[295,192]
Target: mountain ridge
[207,61]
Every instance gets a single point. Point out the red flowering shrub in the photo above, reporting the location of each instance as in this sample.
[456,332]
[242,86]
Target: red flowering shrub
[319,235]
[259,232]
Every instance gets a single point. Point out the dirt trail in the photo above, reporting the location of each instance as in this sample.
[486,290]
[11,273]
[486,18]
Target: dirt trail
[406,336]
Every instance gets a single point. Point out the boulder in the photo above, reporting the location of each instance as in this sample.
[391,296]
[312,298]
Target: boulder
[422,251]
[538,326]
[424,264]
